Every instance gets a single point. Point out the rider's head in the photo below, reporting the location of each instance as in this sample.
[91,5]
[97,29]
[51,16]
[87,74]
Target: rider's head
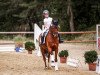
[46,13]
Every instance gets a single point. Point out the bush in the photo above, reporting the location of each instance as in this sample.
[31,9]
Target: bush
[90,56]
[18,38]
[18,41]
[29,46]
[63,53]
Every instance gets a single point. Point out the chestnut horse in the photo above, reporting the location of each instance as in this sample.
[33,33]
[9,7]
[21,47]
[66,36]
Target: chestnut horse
[51,44]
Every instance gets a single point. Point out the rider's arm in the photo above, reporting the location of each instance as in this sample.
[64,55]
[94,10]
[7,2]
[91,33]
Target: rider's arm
[43,27]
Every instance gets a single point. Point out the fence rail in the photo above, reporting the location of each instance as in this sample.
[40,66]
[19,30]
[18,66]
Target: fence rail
[82,32]
[79,41]
[62,33]
[16,32]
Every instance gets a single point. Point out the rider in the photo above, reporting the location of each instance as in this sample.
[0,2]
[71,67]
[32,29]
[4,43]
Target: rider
[47,23]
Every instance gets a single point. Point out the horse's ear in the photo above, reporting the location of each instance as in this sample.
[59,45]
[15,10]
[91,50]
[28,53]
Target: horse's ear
[55,22]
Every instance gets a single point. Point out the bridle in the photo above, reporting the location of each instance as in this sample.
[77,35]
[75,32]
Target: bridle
[53,33]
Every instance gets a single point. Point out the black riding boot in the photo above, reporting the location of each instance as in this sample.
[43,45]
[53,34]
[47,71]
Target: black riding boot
[60,41]
[42,39]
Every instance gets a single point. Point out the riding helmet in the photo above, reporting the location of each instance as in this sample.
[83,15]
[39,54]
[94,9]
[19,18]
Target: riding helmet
[45,11]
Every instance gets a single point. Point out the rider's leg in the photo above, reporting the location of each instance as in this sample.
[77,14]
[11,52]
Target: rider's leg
[60,41]
[42,39]
[43,36]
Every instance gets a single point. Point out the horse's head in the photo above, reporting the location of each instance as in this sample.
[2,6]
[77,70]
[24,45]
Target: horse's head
[54,28]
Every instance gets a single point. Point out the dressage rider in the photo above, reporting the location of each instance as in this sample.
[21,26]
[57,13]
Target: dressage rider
[47,23]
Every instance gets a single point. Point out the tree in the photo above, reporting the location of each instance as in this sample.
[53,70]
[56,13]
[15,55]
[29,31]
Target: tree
[70,15]
[73,15]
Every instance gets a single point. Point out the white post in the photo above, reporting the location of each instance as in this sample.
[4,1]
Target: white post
[37,32]
[97,35]
[98,65]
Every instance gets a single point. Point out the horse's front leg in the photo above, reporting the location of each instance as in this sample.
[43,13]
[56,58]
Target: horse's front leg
[49,52]
[52,59]
[51,56]
[56,61]
[44,59]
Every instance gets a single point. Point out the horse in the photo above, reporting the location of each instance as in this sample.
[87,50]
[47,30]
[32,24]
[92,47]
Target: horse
[51,44]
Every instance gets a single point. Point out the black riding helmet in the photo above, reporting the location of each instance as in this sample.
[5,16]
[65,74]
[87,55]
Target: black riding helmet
[55,22]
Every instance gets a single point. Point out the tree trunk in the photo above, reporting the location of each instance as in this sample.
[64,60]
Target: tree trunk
[71,21]
[30,25]
[70,15]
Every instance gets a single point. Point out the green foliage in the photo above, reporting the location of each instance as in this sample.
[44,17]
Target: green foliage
[63,53]
[42,1]
[90,56]
[14,13]
[85,13]
[29,46]
[18,38]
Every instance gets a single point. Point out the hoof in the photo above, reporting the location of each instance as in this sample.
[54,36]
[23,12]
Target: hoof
[49,68]
[45,68]
[56,69]
[52,66]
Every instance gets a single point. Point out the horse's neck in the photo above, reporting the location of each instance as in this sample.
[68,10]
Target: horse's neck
[50,33]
